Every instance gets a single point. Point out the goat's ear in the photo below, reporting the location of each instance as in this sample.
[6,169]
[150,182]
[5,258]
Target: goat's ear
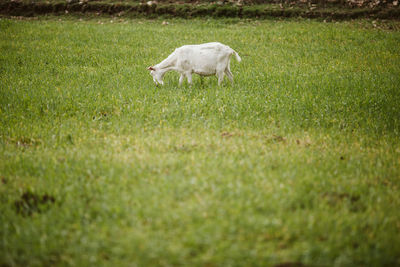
[150,68]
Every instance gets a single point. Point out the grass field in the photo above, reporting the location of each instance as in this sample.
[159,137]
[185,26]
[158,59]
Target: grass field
[295,164]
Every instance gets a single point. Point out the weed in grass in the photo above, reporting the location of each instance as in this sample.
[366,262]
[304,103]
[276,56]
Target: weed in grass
[30,203]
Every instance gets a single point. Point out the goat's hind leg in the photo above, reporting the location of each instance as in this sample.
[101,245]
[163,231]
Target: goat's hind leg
[220,76]
[229,74]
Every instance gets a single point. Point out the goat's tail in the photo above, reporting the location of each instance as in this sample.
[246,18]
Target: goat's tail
[236,55]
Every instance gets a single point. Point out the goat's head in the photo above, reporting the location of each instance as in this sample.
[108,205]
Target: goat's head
[157,75]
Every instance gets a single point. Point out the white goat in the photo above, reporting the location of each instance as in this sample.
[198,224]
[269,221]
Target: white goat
[203,59]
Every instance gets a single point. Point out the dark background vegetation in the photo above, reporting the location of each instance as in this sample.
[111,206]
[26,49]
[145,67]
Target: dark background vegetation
[327,9]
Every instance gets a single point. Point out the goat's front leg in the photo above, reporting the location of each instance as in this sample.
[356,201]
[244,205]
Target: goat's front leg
[181,79]
[189,78]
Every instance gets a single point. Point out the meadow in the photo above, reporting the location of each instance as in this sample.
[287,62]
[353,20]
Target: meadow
[296,164]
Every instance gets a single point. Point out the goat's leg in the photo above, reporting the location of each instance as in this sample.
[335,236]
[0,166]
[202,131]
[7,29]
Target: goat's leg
[229,74]
[220,76]
[181,79]
[189,78]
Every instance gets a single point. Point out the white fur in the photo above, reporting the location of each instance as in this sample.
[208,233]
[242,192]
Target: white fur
[203,59]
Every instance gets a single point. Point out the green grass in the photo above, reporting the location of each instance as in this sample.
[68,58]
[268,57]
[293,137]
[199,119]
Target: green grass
[297,162]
